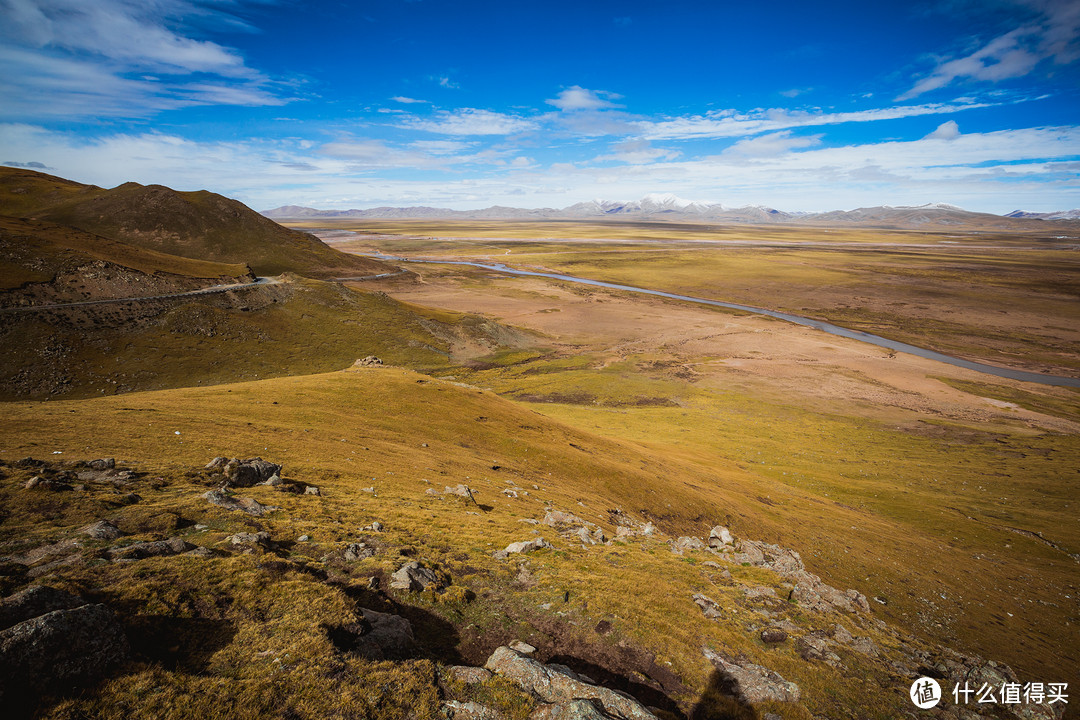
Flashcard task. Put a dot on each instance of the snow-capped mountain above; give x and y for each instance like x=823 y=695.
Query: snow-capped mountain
x=1059 y=215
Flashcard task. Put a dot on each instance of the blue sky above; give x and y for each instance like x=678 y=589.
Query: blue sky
x=467 y=104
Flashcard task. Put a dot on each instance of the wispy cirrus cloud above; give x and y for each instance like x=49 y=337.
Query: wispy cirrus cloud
x=730 y=123
x=471 y=121
x=121 y=58
x=1054 y=35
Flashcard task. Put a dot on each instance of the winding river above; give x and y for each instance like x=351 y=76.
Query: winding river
x=1041 y=378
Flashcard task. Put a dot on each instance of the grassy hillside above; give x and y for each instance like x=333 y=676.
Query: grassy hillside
x=252 y=635
x=199 y=225
x=300 y=326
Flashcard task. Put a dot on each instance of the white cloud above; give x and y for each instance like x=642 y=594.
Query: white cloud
x=638 y=152
x=441 y=147
x=771 y=144
x=118 y=58
x=729 y=123
x=470 y=121
x=948 y=130
x=407 y=100
x=444 y=81
x=579 y=98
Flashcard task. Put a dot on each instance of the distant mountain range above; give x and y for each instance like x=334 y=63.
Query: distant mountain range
x=658 y=207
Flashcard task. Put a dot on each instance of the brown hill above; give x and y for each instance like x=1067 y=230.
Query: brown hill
x=200 y=225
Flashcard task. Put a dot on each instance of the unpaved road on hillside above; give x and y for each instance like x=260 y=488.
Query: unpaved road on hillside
x=190 y=293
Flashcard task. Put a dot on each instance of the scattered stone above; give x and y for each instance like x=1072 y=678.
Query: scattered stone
x=557 y=518
x=28 y=462
x=522 y=647
x=754 y=683
x=720 y=537
x=509 y=492
x=40 y=483
x=216 y=464
x=708 y=606
x=773 y=635
x=261 y=538
x=101 y=530
x=368 y=490
x=312 y=490
x=61 y=648
x=527 y=546
x=102 y=464
x=369 y=361
x=127 y=498
x=467 y=674
x=200 y=552
x=35 y=601
x=303 y=538
x=461 y=490
x=687 y=543
x=373 y=582
x=560 y=686
x=358 y=551
x=375 y=526
x=243 y=504
x=272 y=481
x=432 y=491
x=412 y=576
x=143 y=550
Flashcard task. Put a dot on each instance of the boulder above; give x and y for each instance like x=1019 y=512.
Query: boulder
x=557 y=685
x=412 y=576
x=243 y=504
x=385 y=636
x=815 y=647
x=528 y=545
x=39 y=483
x=261 y=538
x=720 y=537
x=101 y=530
x=369 y=361
x=523 y=648
x=60 y=649
x=34 y=601
x=251 y=472
x=754 y=683
x=102 y=464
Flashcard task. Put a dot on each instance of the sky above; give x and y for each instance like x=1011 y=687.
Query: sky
x=466 y=104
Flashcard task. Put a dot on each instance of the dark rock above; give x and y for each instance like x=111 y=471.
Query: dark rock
x=33 y=602
x=29 y=462
x=41 y=483
x=391 y=635
x=59 y=650
x=159 y=548
x=251 y=472
x=102 y=464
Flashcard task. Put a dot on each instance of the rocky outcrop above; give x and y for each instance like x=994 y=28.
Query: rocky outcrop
x=60 y=649
x=34 y=601
x=101 y=530
x=810 y=590
x=753 y=683
x=369 y=361
x=562 y=691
